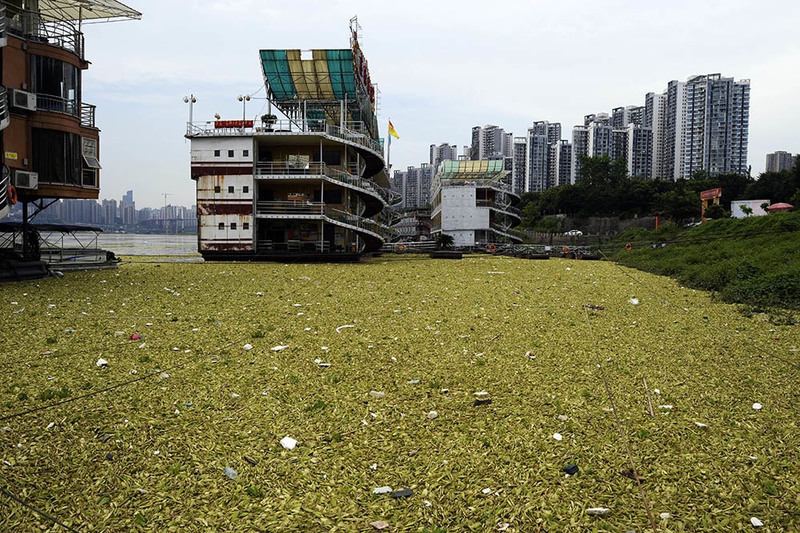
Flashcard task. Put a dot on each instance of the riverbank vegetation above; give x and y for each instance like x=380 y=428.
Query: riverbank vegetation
x=158 y=397
x=753 y=261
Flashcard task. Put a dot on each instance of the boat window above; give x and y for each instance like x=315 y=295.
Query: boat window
x=245 y=153
x=233 y=225
x=245 y=189
x=221 y=225
x=216 y=153
x=231 y=190
x=230 y=153
x=245 y=225
x=217 y=189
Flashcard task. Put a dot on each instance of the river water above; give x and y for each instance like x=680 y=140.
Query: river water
x=123 y=244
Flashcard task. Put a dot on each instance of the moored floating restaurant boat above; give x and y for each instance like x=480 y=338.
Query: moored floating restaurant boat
x=308 y=186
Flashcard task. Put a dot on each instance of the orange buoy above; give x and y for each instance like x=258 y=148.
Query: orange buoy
x=12 y=195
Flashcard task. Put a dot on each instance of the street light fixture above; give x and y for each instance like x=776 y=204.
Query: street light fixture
x=191 y=101
x=243 y=99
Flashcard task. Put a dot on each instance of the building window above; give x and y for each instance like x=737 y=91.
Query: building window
x=217 y=189
x=58 y=157
x=221 y=225
x=245 y=189
x=231 y=190
x=216 y=153
x=245 y=225
x=230 y=153
x=233 y=225
x=246 y=153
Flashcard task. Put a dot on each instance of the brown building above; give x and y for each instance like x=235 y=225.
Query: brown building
x=49 y=140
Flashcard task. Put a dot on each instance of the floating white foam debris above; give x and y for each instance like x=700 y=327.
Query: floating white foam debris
x=340 y=328
x=177 y=411
x=382 y=490
x=374 y=466
x=433 y=414
x=164 y=375
x=487 y=491
x=563 y=418
x=656 y=391
x=234 y=395
x=247 y=347
x=756 y=522
x=482 y=394
x=598 y=511
x=558 y=436
x=757 y=406
x=51 y=425
x=412 y=381
x=427 y=503
x=101 y=362
x=288 y=442
x=665 y=407
x=634 y=301
x=700 y=425
x=142 y=345
x=377 y=394
x=665 y=516
x=278 y=348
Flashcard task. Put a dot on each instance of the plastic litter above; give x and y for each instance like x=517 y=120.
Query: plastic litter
x=634 y=301
x=487 y=490
x=412 y=381
x=558 y=436
x=598 y=511
x=700 y=425
x=288 y=442
x=757 y=406
x=481 y=394
x=231 y=473
x=379 y=524
x=756 y=522
x=665 y=516
x=278 y=348
x=340 y=328
x=247 y=347
x=570 y=470
x=382 y=490
x=402 y=493
x=377 y=394
x=101 y=363
x=110 y=456
x=433 y=414
x=250 y=461
x=136 y=337
x=563 y=418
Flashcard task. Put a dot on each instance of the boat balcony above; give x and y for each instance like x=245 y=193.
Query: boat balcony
x=375 y=197
x=352 y=134
x=506 y=209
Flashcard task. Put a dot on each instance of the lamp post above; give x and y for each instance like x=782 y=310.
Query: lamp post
x=189 y=100
x=243 y=99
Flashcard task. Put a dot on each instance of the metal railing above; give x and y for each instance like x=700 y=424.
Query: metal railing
x=31 y=26
x=505 y=208
x=321 y=169
x=56 y=104
x=289 y=208
x=87 y=115
x=5 y=117
x=250 y=127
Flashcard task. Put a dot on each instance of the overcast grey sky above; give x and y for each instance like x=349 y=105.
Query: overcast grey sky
x=441 y=66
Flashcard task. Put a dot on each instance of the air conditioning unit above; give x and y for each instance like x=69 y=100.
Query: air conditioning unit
x=23 y=100
x=26 y=180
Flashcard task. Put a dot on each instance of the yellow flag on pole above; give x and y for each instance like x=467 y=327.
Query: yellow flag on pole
x=392 y=131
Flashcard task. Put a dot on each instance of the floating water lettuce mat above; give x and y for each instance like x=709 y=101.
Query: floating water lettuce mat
x=262 y=397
